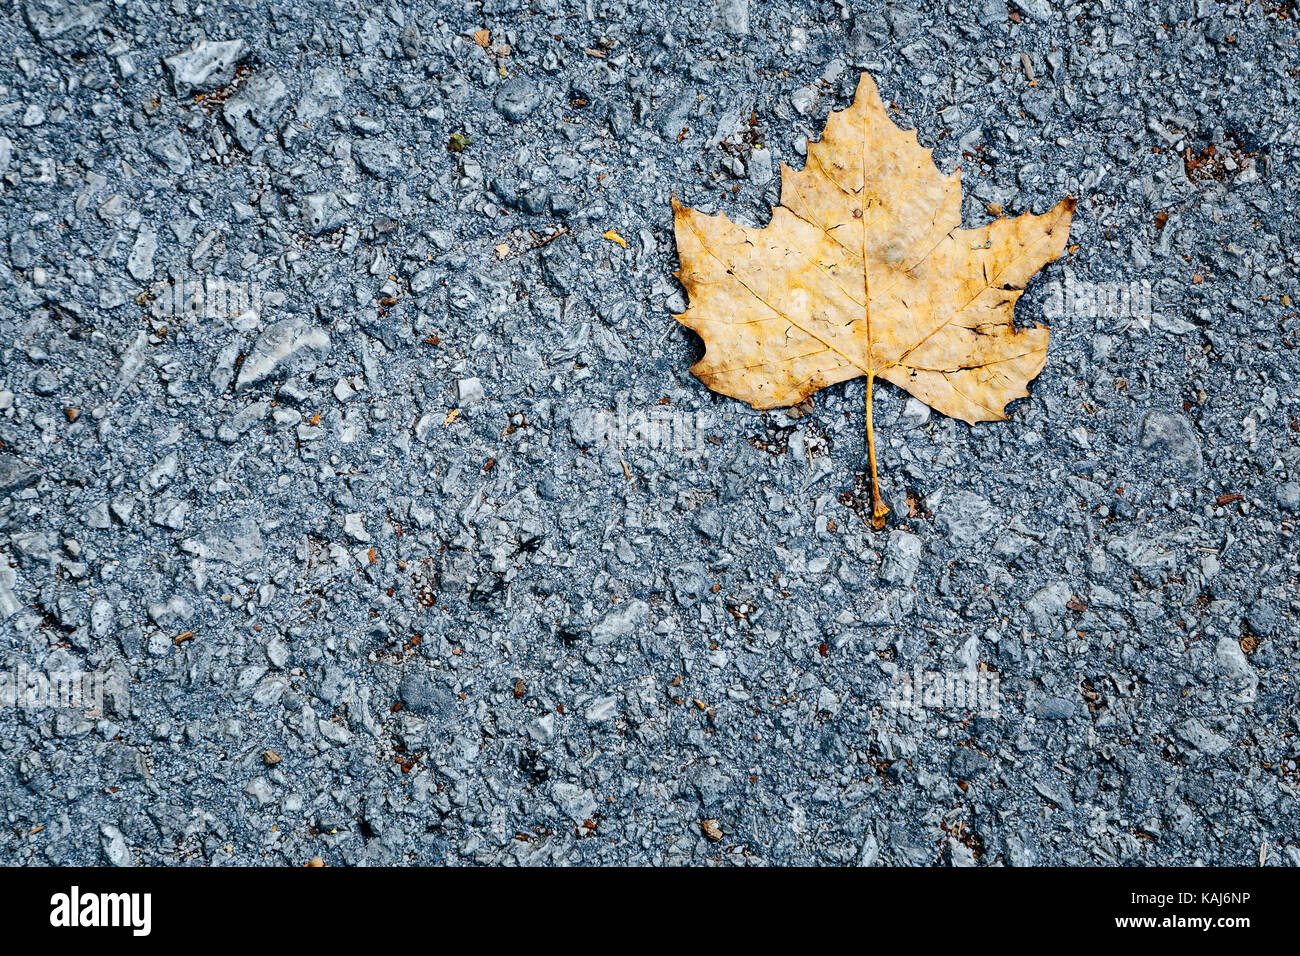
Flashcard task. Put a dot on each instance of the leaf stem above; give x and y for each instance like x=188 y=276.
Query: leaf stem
x=878 y=508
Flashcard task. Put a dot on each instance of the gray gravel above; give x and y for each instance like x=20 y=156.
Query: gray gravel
x=416 y=541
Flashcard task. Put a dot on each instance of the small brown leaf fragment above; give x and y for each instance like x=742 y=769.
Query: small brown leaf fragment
x=1227 y=499
x=711 y=830
x=1075 y=605
x=865 y=270
x=270 y=757
x=519 y=688
x=915 y=506
x=315 y=861
x=407 y=763
x=483 y=38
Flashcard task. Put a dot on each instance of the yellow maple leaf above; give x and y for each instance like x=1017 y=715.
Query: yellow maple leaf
x=865 y=270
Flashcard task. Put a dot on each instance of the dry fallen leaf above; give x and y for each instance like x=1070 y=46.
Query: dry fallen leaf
x=865 y=270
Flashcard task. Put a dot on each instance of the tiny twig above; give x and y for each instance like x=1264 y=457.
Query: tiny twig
x=538 y=243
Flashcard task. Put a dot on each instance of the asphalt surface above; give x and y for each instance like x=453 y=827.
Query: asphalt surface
x=349 y=449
